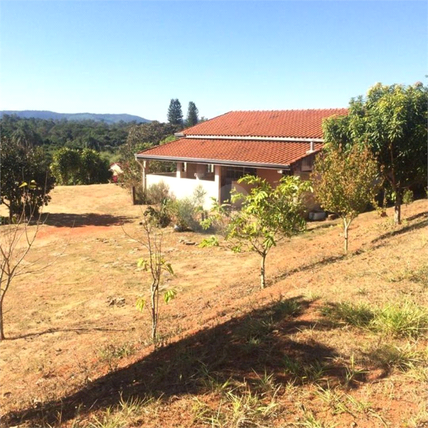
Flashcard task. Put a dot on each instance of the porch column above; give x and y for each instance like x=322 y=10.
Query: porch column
x=179 y=169
x=217 y=180
x=143 y=177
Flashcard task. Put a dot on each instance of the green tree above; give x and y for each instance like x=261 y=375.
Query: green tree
x=93 y=168
x=345 y=182
x=392 y=122
x=65 y=166
x=25 y=177
x=268 y=214
x=73 y=166
x=192 y=115
x=175 y=114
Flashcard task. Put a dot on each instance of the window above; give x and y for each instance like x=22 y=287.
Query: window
x=235 y=174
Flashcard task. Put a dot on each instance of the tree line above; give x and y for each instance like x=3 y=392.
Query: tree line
x=64 y=152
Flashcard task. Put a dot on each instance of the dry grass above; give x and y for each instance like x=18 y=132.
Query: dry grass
x=78 y=352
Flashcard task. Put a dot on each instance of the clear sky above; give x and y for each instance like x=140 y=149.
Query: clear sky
x=134 y=56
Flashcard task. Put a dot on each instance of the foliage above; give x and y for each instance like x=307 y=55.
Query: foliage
x=73 y=166
x=344 y=182
x=400 y=320
x=187 y=211
x=158 y=192
x=25 y=178
x=192 y=115
x=392 y=122
x=212 y=241
x=156 y=265
x=267 y=215
x=161 y=212
x=143 y=137
x=54 y=134
x=175 y=114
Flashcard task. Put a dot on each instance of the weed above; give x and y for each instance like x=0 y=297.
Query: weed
x=400 y=320
x=353 y=373
x=392 y=356
x=404 y=320
x=111 y=353
x=310 y=421
x=359 y=315
x=125 y=413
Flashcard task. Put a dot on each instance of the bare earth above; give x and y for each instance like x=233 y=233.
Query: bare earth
x=77 y=347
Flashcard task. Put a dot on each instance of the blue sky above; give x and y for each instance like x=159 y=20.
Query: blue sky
x=134 y=56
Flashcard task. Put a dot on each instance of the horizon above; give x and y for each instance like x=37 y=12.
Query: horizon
x=78 y=57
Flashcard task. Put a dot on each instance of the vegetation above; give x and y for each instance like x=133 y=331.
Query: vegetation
x=344 y=182
x=71 y=166
x=25 y=179
x=156 y=265
x=192 y=115
x=233 y=356
x=392 y=122
x=55 y=134
x=267 y=215
x=16 y=241
x=175 y=114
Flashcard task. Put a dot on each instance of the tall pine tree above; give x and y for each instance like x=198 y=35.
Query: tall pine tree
x=175 y=114
x=192 y=115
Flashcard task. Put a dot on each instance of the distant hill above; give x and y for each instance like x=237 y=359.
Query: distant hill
x=50 y=115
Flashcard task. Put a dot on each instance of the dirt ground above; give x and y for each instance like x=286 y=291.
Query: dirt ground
x=76 y=344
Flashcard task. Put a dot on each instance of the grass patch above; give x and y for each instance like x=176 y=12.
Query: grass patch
x=392 y=356
x=406 y=319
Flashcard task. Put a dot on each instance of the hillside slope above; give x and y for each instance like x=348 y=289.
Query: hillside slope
x=317 y=348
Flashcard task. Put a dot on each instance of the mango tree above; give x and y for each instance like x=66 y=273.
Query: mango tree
x=345 y=182
x=268 y=214
x=392 y=122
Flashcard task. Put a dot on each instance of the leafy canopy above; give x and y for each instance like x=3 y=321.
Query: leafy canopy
x=267 y=215
x=345 y=182
x=392 y=122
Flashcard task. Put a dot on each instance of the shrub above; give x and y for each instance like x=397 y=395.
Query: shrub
x=187 y=212
x=157 y=193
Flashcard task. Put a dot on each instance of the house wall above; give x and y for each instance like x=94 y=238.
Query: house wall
x=185 y=187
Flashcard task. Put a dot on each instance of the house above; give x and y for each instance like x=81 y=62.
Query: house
x=215 y=154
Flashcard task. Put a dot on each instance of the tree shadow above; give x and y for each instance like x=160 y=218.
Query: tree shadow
x=323 y=262
x=415 y=226
x=62 y=330
x=236 y=351
x=79 y=220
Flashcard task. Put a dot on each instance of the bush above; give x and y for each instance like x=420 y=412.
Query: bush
x=187 y=212
x=157 y=193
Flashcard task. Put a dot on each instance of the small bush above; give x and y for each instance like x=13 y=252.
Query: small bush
x=187 y=212
x=157 y=193
x=160 y=215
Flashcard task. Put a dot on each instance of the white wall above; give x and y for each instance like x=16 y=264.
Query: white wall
x=184 y=187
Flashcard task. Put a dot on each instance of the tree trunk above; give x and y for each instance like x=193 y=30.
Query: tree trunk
x=154 y=314
x=2 y=337
x=263 y=272
x=397 y=207
x=345 y=234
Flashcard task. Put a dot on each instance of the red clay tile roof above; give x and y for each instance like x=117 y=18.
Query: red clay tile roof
x=268 y=153
x=275 y=123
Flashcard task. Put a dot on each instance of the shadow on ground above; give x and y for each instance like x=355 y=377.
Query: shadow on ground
x=79 y=220
x=421 y=224
x=260 y=342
